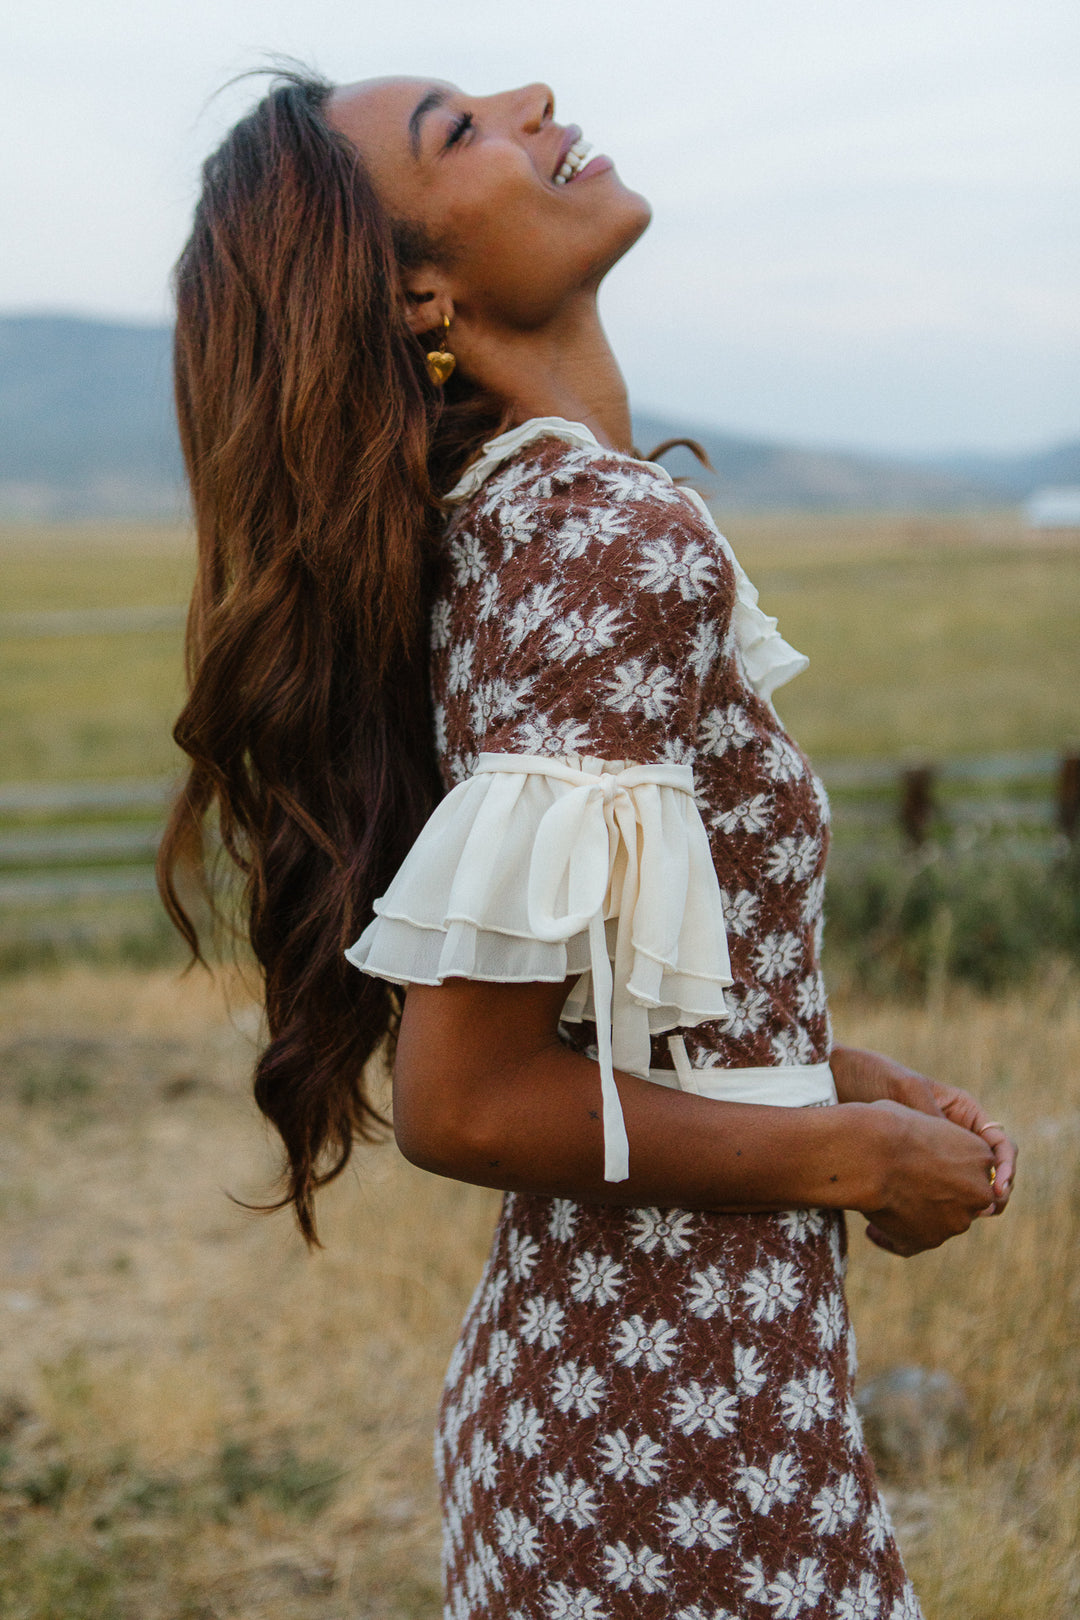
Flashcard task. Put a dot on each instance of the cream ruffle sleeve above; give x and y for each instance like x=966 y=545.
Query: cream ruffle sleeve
x=538 y=869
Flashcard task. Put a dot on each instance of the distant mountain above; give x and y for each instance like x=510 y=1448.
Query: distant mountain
x=86 y=430
x=1014 y=477
x=86 y=424
x=755 y=473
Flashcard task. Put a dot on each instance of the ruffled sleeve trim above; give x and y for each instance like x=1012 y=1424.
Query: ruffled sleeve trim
x=539 y=869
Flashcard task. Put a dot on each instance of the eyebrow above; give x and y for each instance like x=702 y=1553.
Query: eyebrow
x=426 y=104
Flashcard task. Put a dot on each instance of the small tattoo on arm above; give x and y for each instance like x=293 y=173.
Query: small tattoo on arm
x=834 y=1178
x=593 y=1114
x=493 y=1164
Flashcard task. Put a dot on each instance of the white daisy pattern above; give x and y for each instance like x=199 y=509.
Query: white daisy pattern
x=783 y=762
x=577 y=1389
x=562 y=1602
x=751 y=816
x=639 y=1568
x=694 y=1522
x=829 y=1318
x=792 y=1046
x=669 y=1229
x=797 y=1589
x=793 y=859
x=653 y=1343
x=572 y=1500
x=502 y=1356
x=689 y=568
x=773 y=1289
x=778 y=955
x=595 y=1279
x=531 y=613
x=809 y=1400
x=517 y=1537
x=740 y=910
x=704 y=649
x=726 y=728
x=777 y=1483
x=709 y=1294
x=524 y=1252
x=543 y=1322
x=749 y=1010
x=750 y=1371
x=810 y=996
x=650 y=1408
x=633 y=686
x=522 y=1428
x=859 y=1602
x=641 y=1460
x=836 y=1505
x=712 y=1409
x=579 y=637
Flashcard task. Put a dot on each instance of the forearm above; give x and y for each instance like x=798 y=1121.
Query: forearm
x=536 y=1127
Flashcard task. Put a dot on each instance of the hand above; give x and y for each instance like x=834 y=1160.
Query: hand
x=936 y=1180
x=863 y=1076
x=963 y=1109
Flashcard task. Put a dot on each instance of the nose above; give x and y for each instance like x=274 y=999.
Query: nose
x=536 y=106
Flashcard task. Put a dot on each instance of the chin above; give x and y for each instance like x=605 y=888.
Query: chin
x=633 y=218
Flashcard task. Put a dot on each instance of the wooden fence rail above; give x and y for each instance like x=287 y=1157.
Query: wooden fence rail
x=81 y=841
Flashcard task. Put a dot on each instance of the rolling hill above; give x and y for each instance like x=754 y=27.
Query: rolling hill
x=86 y=430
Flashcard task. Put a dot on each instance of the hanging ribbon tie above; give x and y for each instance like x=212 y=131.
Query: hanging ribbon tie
x=585 y=871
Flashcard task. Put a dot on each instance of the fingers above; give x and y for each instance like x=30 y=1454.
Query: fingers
x=883 y=1241
x=1004 y=1151
x=963 y=1109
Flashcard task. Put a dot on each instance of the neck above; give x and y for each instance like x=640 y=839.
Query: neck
x=565 y=368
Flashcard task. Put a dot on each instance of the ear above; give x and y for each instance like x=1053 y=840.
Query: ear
x=428 y=302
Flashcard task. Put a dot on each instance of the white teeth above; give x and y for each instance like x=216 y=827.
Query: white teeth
x=573 y=161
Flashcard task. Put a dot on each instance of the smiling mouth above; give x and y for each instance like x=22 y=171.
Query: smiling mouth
x=575 y=159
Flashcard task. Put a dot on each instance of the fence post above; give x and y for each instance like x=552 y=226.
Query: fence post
x=917 y=805
x=1068 y=795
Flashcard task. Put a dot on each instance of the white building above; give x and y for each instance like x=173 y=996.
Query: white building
x=1056 y=506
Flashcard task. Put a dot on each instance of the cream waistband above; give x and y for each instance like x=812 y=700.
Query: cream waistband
x=785 y=1086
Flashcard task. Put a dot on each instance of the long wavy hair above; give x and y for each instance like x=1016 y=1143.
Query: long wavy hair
x=316 y=449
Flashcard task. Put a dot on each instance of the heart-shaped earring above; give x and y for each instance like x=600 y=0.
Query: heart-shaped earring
x=440 y=362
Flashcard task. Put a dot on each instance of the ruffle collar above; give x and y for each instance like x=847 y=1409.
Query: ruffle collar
x=768 y=660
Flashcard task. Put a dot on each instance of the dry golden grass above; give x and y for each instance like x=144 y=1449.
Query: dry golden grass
x=204 y=1422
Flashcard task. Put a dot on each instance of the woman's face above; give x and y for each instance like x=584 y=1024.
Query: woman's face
x=478 y=173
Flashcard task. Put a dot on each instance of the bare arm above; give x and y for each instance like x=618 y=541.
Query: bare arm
x=485 y=1092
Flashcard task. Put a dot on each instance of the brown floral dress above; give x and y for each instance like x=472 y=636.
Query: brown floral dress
x=649 y=1413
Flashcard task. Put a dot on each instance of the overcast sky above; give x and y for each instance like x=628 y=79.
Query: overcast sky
x=866 y=212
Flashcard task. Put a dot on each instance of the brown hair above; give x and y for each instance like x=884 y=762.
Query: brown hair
x=316 y=448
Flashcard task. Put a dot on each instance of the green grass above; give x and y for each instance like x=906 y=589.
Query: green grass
x=935 y=636
x=91 y=705
x=927 y=637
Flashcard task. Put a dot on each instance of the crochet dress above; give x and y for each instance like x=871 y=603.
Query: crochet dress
x=649 y=1412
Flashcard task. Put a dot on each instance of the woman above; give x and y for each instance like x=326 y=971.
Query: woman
x=456 y=649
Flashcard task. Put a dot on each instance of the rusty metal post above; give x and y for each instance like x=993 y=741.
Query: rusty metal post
x=917 y=807
x=1068 y=795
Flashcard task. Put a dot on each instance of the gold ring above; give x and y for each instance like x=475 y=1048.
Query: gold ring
x=993 y=1175
x=991 y=1125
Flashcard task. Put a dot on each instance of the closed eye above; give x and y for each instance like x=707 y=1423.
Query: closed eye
x=460 y=127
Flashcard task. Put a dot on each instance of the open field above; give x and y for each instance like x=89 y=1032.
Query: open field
x=199 y=1422
x=927 y=636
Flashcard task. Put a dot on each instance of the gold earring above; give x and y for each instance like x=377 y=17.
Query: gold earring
x=440 y=362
